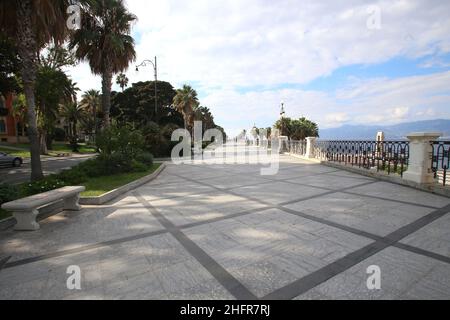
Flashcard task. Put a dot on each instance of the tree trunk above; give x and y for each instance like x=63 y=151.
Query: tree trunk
x=106 y=97
x=43 y=142
x=28 y=50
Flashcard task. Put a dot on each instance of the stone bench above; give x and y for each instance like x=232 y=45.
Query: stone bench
x=25 y=210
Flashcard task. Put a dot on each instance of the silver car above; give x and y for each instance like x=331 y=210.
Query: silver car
x=9 y=160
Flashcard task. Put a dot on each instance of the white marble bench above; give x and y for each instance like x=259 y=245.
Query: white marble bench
x=25 y=210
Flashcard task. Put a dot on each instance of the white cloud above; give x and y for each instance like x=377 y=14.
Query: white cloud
x=220 y=46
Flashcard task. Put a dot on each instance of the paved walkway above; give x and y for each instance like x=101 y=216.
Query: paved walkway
x=226 y=232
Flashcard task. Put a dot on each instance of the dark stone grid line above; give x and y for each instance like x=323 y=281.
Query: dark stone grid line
x=314 y=279
x=237 y=289
x=379 y=244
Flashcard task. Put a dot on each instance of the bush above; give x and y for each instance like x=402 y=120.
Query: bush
x=137 y=166
x=90 y=168
x=8 y=193
x=73 y=176
x=49 y=183
x=120 y=140
x=146 y=158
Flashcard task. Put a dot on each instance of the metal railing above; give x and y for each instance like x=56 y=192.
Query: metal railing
x=388 y=156
x=441 y=160
x=297 y=147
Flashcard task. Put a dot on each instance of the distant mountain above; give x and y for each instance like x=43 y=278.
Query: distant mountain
x=397 y=131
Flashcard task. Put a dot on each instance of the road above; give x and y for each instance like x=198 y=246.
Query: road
x=49 y=166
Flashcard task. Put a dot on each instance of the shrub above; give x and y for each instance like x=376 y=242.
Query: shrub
x=120 y=140
x=8 y=193
x=73 y=176
x=145 y=157
x=47 y=184
x=90 y=168
x=137 y=166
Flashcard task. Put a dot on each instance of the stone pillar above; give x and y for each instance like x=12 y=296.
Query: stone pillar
x=283 y=141
x=420 y=157
x=310 y=146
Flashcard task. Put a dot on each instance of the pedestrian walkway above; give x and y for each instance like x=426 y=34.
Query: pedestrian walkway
x=202 y=231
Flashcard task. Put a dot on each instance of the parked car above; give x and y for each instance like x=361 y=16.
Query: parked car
x=9 y=160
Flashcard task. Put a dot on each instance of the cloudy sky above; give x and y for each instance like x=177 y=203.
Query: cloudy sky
x=335 y=62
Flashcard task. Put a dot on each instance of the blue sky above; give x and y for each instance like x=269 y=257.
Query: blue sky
x=357 y=61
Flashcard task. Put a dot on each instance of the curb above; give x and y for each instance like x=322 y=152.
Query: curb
x=110 y=195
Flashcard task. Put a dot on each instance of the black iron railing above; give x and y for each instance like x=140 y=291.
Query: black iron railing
x=441 y=160
x=297 y=147
x=388 y=156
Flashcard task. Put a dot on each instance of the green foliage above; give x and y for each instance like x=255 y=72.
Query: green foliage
x=49 y=183
x=120 y=140
x=145 y=158
x=9 y=65
x=137 y=166
x=297 y=129
x=136 y=105
x=185 y=101
x=73 y=176
x=8 y=193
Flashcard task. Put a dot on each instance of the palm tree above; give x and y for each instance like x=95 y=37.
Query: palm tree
x=104 y=41
x=185 y=101
x=204 y=115
x=90 y=102
x=31 y=24
x=72 y=113
x=122 y=81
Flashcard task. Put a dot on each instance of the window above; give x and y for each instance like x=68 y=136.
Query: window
x=2 y=125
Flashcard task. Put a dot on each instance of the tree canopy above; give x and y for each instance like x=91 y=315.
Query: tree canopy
x=297 y=129
x=136 y=105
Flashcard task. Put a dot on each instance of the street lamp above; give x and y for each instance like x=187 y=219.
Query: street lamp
x=155 y=68
x=282 y=114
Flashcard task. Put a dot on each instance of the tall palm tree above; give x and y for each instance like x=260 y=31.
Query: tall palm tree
x=90 y=102
x=122 y=81
x=185 y=101
x=204 y=115
x=104 y=41
x=31 y=24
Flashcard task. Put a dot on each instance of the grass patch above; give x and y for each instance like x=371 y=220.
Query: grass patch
x=100 y=185
x=65 y=148
x=16 y=153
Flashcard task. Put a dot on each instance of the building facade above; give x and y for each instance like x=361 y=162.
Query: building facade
x=11 y=129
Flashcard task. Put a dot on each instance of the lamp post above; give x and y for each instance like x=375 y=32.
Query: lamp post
x=155 y=68
x=282 y=114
